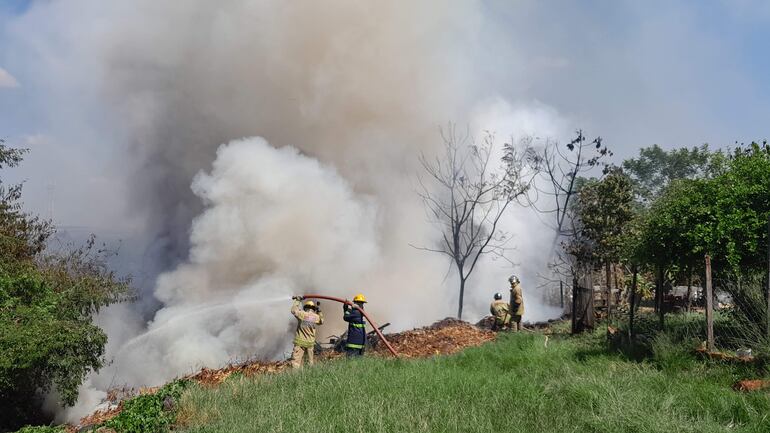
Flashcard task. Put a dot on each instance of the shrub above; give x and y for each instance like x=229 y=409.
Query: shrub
x=47 y=301
x=151 y=412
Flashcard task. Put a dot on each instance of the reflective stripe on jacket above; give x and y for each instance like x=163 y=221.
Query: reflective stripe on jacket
x=356 y=327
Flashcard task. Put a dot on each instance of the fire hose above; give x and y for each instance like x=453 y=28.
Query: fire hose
x=345 y=301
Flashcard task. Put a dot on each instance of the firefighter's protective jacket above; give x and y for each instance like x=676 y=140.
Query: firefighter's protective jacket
x=356 y=327
x=501 y=311
x=517 y=301
x=306 y=325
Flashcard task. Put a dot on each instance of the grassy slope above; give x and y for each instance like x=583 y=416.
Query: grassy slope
x=513 y=385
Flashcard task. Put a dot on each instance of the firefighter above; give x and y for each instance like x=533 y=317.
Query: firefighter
x=308 y=318
x=517 y=302
x=354 y=346
x=501 y=311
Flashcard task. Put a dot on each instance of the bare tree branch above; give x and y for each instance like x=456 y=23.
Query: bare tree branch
x=469 y=195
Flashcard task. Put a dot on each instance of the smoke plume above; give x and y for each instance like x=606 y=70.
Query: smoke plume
x=339 y=97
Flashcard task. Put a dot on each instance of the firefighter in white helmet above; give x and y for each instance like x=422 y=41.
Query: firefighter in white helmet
x=501 y=311
x=308 y=318
x=517 y=303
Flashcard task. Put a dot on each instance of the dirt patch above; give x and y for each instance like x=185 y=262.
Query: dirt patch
x=489 y=321
x=441 y=338
x=722 y=356
x=751 y=385
x=99 y=417
x=212 y=377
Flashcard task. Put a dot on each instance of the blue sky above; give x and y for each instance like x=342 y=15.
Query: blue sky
x=726 y=81
x=15 y=6
x=675 y=73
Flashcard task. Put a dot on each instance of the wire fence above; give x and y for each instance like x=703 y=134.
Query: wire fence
x=736 y=321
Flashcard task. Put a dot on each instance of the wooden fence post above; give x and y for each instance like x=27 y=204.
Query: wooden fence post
x=609 y=291
x=659 y=297
x=632 y=302
x=709 y=307
x=590 y=318
x=767 y=295
x=574 y=301
x=561 y=295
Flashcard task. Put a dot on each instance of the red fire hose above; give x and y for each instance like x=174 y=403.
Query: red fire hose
x=345 y=301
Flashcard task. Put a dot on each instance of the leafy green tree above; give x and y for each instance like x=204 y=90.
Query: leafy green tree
x=47 y=302
x=605 y=207
x=656 y=168
x=725 y=216
x=742 y=205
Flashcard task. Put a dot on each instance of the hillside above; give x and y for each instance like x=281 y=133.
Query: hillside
x=541 y=381
x=516 y=384
x=527 y=382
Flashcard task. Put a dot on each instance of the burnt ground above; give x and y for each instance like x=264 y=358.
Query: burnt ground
x=444 y=337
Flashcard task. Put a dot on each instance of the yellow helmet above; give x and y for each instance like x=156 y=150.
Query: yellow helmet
x=309 y=304
x=359 y=298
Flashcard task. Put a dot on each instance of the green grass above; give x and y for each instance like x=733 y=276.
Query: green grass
x=513 y=385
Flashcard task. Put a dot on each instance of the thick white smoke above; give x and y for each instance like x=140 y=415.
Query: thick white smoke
x=276 y=223
x=345 y=95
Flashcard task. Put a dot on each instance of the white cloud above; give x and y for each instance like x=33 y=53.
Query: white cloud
x=7 y=80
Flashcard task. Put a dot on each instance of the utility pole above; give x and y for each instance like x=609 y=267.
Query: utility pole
x=709 y=307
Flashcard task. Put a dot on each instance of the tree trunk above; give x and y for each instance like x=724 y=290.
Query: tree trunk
x=632 y=302
x=659 y=296
x=462 y=295
x=709 y=307
x=617 y=284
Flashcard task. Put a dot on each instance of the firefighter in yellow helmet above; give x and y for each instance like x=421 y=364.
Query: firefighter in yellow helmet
x=501 y=311
x=308 y=318
x=517 y=303
x=354 y=346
